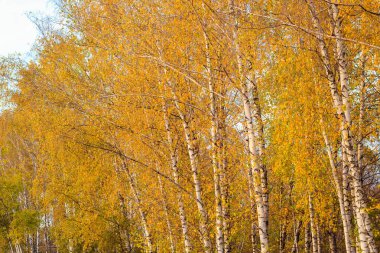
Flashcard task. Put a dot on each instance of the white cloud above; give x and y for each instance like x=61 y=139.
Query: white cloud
x=17 y=32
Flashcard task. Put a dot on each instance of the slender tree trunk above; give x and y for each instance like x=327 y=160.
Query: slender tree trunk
x=297 y=233
x=217 y=94
x=319 y=246
x=258 y=192
x=283 y=235
x=31 y=245
x=357 y=240
x=346 y=198
x=215 y=136
x=361 y=238
x=192 y=149
x=313 y=226
x=45 y=235
x=10 y=246
x=70 y=246
x=144 y=222
x=362 y=109
x=283 y=222
x=175 y=172
x=37 y=241
x=332 y=242
x=342 y=196
x=224 y=179
x=225 y=197
x=126 y=231
x=251 y=199
x=251 y=192
x=256 y=110
x=307 y=238
x=166 y=210
x=259 y=171
x=18 y=248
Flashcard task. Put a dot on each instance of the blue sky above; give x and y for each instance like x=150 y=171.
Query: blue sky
x=17 y=31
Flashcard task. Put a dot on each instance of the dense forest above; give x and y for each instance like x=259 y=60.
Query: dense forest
x=194 y=126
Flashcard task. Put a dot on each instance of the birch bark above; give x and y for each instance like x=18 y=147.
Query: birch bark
x=365 y=230
x=361 y=111
x=166 y=210
x=175 y=172
x=214 y=151
x=319 y=246
x=251 y=195
x=307 y=238
x=342 y=196
x=297 y=233
x=192 y=149
x=342 y=105
x=313 y=226
x=259 y=171
x=144 y=221
x=332 y=242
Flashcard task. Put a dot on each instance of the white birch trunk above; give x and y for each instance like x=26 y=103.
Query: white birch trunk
x=362 y=215
x=259 y=129
x=251 y=195
x=313 y=226
x=297 y=233
x=37 y=241
x=192 y=149
x=223 y=162
x=259 y=178
x=18 y=248
x=307 y=238
x=166 y=210
x=361 y=111
x=342 y=105
x=257 y=183
x=319 y=246
x=361 y=238
x=126 y=231
x=342 y=196
x=10 y=246
x=175 y=172
x=332 y=242
x=253 y=214
x=214 y=151
x=225 y=201
x=144 y=221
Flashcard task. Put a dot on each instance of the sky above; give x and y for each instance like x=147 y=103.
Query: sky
x=17 y=32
